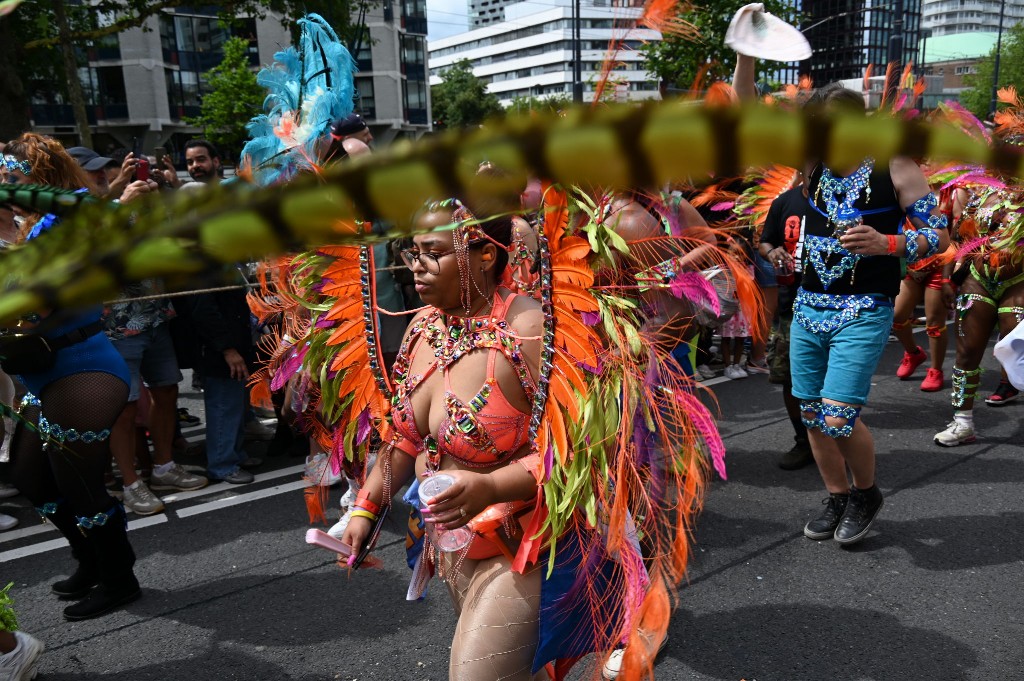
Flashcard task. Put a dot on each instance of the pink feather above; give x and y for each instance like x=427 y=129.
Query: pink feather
x=705 y=424
x=970 y=246
x=694 y=287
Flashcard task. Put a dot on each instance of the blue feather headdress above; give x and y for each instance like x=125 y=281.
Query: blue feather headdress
x=309 y=87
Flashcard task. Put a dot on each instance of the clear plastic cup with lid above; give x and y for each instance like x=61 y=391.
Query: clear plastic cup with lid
x=446 y=540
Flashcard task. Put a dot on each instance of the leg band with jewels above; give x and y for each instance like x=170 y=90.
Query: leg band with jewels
x=963 y=388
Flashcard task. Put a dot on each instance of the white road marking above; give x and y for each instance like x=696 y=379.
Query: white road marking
x=227 y=502
x=54 y=544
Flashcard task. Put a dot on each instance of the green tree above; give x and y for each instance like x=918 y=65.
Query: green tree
x=522 y=105
x=678 y=61
x=232 y=98
x=461 y=99
x=978 y=97
x=48 y=37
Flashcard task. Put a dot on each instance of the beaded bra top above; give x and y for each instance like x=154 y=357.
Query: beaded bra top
x=485 y=430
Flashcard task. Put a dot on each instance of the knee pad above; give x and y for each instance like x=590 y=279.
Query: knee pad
x=961 y=390
x=898 y=326
x=935 y=331
x=841 y=412
x=822 y=410
x=814 y=408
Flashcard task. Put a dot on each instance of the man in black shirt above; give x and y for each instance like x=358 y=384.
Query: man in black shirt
x=784 y=225
x=854 y=237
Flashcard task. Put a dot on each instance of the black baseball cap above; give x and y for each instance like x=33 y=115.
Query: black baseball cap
x=89 y=159
x=347 y=125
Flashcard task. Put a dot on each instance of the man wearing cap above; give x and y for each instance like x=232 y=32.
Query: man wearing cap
x=351 y=128
x=122 y=188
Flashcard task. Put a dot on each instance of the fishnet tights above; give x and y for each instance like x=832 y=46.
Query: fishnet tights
x=84 y=401
x=496 y=637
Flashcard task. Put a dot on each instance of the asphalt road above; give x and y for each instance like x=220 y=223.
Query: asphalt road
x=934 y=593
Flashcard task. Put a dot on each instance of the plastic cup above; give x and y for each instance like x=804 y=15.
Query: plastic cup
x=448 y=541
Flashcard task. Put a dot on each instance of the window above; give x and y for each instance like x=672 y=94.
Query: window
x=366 y=104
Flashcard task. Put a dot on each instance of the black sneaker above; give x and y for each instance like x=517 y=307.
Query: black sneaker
x=797 y=457
x=187 y=419
x=1003 y=395
x=824 y=526
x=860 y=513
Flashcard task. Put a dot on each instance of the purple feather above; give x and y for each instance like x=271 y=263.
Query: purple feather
x=724 y=205
x=549 y=462
x=289 y=368
x=590 y=318
x=325 y=323
x=363 y=426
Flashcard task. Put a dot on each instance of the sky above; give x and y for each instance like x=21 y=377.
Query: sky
x=445 y=18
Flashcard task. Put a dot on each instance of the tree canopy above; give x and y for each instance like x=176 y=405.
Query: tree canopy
x=978 y=97
x=46 y=42
x=233 y=97
x=462 y=99
x=679 y=61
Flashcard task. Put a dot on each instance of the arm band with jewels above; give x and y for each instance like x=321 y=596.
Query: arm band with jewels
x=911 y=245
x=922 y=210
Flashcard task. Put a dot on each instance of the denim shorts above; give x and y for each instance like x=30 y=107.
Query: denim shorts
x=764 y=272
x=150 y=357
x=838 y=365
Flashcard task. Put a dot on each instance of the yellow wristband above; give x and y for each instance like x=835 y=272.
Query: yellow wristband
x=363 y=513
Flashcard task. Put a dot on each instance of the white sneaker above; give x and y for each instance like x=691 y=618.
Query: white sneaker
x=7 y=491
x=7 y=522
x=614 y=663
x=140 y=500
x=705 y=371
x=177 y=479
x=338 y=529
x=956 y=433
x=22 y=663
x=735 y=371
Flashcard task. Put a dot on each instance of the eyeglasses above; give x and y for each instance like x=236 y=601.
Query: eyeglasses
x=427 y=260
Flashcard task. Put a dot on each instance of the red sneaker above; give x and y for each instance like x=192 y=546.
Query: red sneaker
x=933 y=381
x=910 y=363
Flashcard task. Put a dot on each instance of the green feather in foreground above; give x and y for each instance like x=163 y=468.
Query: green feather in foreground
x=101 y=247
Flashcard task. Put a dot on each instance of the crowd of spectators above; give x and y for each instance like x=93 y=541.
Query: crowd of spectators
x=211 y=333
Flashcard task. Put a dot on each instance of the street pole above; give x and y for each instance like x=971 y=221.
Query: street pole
x=995 y=70
x=892 y=83
x=577 y=55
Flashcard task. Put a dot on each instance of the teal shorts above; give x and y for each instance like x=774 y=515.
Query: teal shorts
x=838 y=364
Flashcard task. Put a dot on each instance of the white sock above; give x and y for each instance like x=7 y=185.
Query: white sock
x=964 y=418
x=163 y=469
x=134 y=486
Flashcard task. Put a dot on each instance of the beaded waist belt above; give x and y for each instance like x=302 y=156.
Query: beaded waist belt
x=847 y=308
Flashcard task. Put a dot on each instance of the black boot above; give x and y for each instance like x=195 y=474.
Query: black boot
x=115 y=557
x=87 y=575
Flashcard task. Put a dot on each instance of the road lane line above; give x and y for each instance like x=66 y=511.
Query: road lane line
x=241 y=499
x=224 y=486
x=54 y=544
